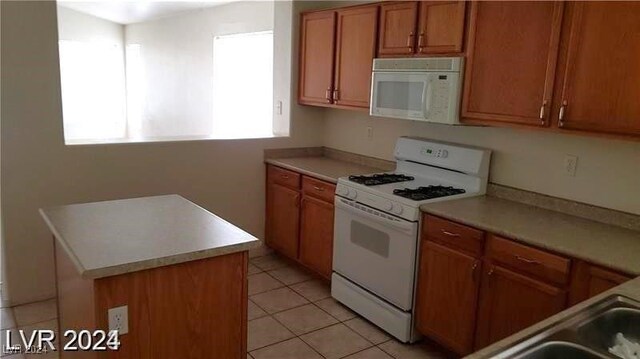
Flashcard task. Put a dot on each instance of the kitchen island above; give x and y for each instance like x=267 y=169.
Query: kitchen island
x=180 y=270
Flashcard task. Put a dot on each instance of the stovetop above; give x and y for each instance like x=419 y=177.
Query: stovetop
x=380 y=179
x=428 y=192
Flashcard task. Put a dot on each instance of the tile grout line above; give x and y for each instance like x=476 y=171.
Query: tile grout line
x=339 y=321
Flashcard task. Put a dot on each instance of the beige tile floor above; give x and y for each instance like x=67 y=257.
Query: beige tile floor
x=290 y=314
x=28 y=317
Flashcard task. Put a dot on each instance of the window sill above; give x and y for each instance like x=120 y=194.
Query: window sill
x=118 y=141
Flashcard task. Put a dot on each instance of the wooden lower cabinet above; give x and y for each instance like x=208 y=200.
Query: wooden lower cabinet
x=510 y=302
x=590 y=280
x=195 y=309
x=316 y=235
x=283 y=219
x=299 y=218
x=447 y=296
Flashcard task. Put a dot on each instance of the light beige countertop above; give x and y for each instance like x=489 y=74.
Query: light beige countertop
x=599 y=243
x=630 y=289
x=116 y=237
x=324 y=168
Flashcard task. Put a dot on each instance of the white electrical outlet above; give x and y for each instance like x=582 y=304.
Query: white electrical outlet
x=570 y=165
x=119 y=319
x=369 y=132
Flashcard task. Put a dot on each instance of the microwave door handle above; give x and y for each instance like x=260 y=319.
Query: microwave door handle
x=427 y=98
x=403 y=226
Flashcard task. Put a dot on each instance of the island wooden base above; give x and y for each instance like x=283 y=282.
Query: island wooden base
x=194 y=310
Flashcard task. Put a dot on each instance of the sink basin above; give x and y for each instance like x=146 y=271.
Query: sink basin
x=587 y=334
x=560 y=350
x=600 y=332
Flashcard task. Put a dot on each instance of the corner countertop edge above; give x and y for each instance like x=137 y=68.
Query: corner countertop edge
x=125 y=268
x=76 y=261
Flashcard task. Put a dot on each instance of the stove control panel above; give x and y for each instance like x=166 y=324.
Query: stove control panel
x=378 y=202
x=434 y=152
x=346 y=192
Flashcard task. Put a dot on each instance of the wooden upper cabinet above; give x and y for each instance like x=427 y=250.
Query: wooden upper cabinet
x=601 y=82
x=415 y=28
x=283 y=219
x=440 y=27
x=316 y=235
x=510 y=69
x=317 y=46
x=448 y=285
x=510 y=302
x=355 y=49
x=397 y=28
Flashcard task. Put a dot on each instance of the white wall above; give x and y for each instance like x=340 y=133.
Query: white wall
x=608 y=173
x=38 y=170
x=177 y=54
x=77 y=26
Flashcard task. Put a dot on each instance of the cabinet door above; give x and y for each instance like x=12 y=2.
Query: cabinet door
x=317 y=45
x=589 y=280
x=448 y=284
x=356 y=47
x=601 y=84
x=512 y=53
x=316 y=235
x=441 y=27
x=397 y=28
x=510 y=302
x=283 y=219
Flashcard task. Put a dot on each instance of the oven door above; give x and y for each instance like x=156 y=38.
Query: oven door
x=376 y=251
x=400 y=95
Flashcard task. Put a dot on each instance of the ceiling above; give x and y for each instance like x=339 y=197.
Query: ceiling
x=129 y=12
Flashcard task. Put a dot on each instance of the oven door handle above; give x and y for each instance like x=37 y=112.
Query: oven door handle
x=348 y=206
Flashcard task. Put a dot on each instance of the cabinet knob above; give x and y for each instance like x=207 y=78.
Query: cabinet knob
x=410 y=41
x=561 y=114
x=320 y=189
x=542 y=112
x=421 y=38
x=474 y=270
x=327 y=95
x=526 y=260
x=336 y=94
x=450 y=234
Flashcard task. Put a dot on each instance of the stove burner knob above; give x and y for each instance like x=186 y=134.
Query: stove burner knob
x=388 y=206
x=352 y=194
x=397 y=209
x=341 y=191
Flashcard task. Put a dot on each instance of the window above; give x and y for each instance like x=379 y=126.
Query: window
x=93 y=90
x=243 y=85
x=179 y=78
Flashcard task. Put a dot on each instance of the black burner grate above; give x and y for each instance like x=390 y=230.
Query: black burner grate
x=378 y=179
x=430 y=192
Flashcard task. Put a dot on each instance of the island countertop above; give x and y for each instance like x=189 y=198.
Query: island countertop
x=115 y=237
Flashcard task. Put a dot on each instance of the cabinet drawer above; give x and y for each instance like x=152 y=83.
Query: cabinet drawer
x=319 y=189
x=544 y=265
x=453 y=234
x=283 y=177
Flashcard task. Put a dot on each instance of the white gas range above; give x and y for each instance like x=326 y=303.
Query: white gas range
x=377 y=221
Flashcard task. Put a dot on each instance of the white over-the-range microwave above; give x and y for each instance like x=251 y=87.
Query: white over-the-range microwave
x=422 y=89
